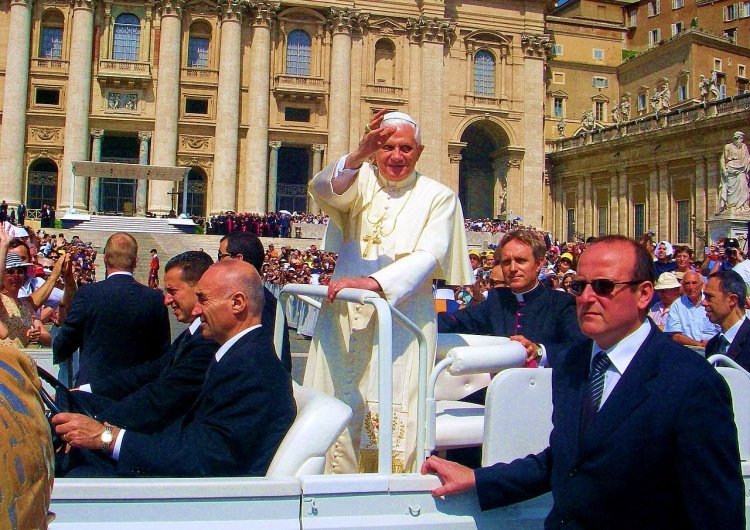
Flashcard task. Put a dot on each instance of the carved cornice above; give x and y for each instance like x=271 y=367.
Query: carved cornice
x=24 y=3
x=536 y=45
x=145 y=136
x=45 y=134
x=55 y=154
x=96 y=133
x=83 y=4
x=423 y=29
x=347 y=21
x=203 y=162
x=170 y=8
x=195 y=143
x=233 y=9
x=263 y=13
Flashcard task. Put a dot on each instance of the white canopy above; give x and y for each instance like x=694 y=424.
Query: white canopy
x=128 y=171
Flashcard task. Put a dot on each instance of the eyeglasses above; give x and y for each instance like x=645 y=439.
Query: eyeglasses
x=221 y=256
x=601 y=287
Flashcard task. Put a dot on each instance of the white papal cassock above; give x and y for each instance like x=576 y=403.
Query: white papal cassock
x=404 y=235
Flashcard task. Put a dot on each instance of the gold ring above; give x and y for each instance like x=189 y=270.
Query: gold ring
x=367 y=128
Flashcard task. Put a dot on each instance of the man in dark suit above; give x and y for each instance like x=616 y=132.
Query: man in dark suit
x=644 y=434
x=247 y=247
x=148 y=396
x=541 y=319
x=242 y=412
x=724 y=300
x=117 y=323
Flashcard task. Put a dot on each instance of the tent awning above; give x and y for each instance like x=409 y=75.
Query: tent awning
x=128 y=171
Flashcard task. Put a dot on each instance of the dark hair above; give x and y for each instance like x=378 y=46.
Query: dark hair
x=192 y=263
x=247 y=244
x=683 y=248
x=644 y=264
x=153 y=250
x=730 y=282
x=18 y=242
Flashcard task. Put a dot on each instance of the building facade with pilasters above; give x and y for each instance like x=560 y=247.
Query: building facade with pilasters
x=256 y=97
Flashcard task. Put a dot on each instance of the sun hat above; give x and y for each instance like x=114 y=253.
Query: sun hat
x=667 y=280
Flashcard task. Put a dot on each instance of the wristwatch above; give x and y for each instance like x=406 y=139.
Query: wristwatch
x=539 y=354
x=106 y=439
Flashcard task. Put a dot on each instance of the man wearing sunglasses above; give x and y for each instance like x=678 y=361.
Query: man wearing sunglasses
x=644 y=433
x=541 y=319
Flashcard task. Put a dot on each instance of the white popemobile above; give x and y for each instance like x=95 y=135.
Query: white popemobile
x=296 y=495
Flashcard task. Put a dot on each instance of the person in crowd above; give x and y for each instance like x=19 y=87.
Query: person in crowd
x=664 y=261
x=541 y=319
x=20 y=325
x=737 y=260
x=396 y=231
x=668 y=290
x=721 y=257
x=117 y=323
x=240 y=416
x=247 y=247
x=148 y=396
x=687 y=321
x=565 y=263
x=644 y=433
x=153 y=270
x=683 y=257
x=21 y=214
x=724 y=302
x=475 y=258
x=27 y=469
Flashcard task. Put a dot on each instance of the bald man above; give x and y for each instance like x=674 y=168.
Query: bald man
x=687 y=321
x=241 y=414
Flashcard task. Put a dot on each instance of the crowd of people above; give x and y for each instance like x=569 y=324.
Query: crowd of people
x=273 y=224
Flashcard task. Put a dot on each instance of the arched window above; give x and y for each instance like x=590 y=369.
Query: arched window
x=196 y=196
x=484 y=73
x=385 y=62
x=42 y=184
x=200 y=38
x=52 y=35
x=298 y=53
x=127 y=37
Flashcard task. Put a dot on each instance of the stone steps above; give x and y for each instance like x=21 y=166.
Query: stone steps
x=107 y=223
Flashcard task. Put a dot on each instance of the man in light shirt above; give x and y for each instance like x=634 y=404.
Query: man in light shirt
x=725 y=305
x=687 y=321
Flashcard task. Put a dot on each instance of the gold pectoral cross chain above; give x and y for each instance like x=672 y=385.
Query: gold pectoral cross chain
x=373 y=239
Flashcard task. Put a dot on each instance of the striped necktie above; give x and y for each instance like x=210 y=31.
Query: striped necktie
x=595 y=389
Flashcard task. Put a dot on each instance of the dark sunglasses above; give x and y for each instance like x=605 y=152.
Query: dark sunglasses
x=221 y=256
x=601 y=287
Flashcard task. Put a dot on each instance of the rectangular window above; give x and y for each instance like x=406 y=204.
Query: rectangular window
x=731 y=12
x=677 y=4
x=717 y=65
x=558 y=107
x=571 y=224
x=639 y=219
x=745 y=9
x=47 y=96
x=51 y=43
x=557 y=50
x=722 y=91
x=598 y=54
x=297 y=114
x=641 y=102
x=654 y=37
x=558 y=78
x=599 y=82
x=731 y=34
x=198 y=52
x=677 y=28
x=599 y=111
x=741 y=70
x=633 y=20
x=196 y=106
x=681 y=92
x=654 y=8
x=602 y=220
x=683 y=221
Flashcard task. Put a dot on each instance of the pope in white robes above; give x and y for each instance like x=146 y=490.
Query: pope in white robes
x=396 y=231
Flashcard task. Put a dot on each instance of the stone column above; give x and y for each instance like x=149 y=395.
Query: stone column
x=78 y=102
x=273 y=177
x=252 y=195
x=713 y=177
x=224 y=196
x=141 y=199
x=535 y=48
x=415 y=70
x=652 y=222
x=624 y=206
x=614 y=206
x=581 y=207
x=665 y=203
x=342 y=22
x=317 y=150
x=701 y=204
x=167 y=102
x=13 y=139
x=96 y=156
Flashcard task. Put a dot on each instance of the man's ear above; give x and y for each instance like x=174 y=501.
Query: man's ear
x=239 y=302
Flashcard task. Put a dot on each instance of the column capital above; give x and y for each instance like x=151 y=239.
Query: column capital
x=318 y=148
x=263 y=13
x=275 y=145
x=233 y=9
x=24 y=3
x=455 y=158
x=171 y=8
x=97 y=133
x=424 y=29
x=347 y=21
x=80 y=4
x=536 y=45
x=145 y=136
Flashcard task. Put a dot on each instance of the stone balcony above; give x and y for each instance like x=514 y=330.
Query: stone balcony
x=127 y=74
x=298 y=87
x=201 y=76
x=490 y=104
x=48 y=65
x=384 y=93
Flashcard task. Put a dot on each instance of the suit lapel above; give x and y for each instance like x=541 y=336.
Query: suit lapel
x=567 y=410
x=179 y=346
x=634 y=387
x=738 y=344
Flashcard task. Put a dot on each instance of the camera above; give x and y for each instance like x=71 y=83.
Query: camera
x=651 y=233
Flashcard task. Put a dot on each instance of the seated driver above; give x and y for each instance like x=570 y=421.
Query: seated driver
x=240 y=416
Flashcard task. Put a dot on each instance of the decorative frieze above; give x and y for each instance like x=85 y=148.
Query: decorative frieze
x=195 y=143
x=50 y=135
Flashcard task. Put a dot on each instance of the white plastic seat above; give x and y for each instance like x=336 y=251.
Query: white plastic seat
x=320 y=420
x=518 y=416
x=457 y=423
x=738 y=380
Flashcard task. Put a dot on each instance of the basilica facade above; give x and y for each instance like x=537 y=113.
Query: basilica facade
x=256 y=97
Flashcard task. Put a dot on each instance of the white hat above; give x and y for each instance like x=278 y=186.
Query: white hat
x=667 y=244
x=399 y=116
x=667 y=280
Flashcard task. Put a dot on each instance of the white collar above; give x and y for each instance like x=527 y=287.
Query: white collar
x=731 y=333
x=123 y=273
x=228 y=344
x=194 y=326
x=622 y=353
